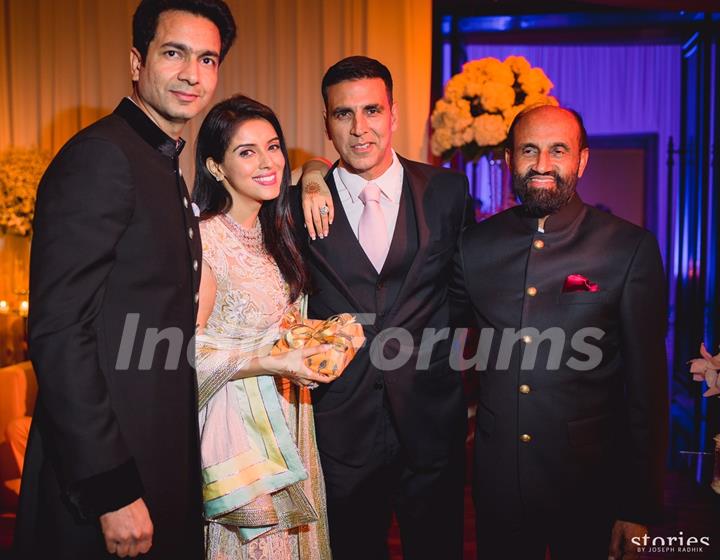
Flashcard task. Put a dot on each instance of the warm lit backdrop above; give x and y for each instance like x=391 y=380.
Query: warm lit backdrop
x=65 y=63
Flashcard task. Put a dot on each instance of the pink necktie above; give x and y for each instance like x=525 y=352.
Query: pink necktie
x=372 y=232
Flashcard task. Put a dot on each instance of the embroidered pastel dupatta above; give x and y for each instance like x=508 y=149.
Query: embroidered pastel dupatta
x=261 y=471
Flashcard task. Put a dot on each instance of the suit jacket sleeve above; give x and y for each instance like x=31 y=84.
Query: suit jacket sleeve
x=643 y=328
x=461 y=314
x=84 y=205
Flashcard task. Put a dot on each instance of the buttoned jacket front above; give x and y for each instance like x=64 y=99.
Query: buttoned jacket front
x=572 y=408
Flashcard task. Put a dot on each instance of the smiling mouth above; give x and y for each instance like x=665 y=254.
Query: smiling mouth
x=184 y=96
x=266 y=180
x=541 y=182
x=361 y=147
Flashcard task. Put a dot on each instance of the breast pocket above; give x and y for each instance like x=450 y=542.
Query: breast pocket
x=583 y=298
x=440 y=250
x=589 y=431
x=443 y=238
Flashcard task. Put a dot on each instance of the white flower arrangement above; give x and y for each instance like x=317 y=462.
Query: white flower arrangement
x=20 y=173
x=481 y=102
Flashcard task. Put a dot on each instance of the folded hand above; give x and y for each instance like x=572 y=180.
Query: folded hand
x=128 y=531
x=621 y=545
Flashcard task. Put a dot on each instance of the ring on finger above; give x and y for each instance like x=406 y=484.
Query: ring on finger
x=312 y=385
x=324 y=210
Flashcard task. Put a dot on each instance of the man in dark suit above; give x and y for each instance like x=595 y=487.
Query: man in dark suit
x=390 y=433
x=112 y=462
x=572 y=414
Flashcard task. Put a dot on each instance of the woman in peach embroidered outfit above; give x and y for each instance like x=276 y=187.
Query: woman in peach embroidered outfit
x=262 y=484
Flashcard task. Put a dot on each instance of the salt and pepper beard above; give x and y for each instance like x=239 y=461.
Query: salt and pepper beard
x=539 y=202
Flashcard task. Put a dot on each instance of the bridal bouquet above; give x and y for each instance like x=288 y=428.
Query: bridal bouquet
x=481 y=102
x=20 y=173
x=340 y=331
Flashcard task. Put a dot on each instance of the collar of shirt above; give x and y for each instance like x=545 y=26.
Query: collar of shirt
x=390 y=182
x=554 y=222
x=148 y=130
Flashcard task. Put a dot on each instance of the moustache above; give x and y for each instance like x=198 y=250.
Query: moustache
x=530 y=175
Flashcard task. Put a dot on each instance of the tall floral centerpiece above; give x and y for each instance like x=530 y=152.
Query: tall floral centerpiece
x=481 y=102
x=20 y=173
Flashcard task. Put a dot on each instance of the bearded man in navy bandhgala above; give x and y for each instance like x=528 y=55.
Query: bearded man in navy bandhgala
x=571 y=427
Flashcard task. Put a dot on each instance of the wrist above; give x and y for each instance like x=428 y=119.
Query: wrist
x=319 y=164
x=265 y=364
x=107 y=491
x=312 y=177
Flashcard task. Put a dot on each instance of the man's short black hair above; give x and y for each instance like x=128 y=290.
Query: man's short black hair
x=357 y=68
x=148 y=12
x=510 y=142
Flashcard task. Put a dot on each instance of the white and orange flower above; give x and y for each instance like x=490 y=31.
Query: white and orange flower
x=481 y=102
x=706 y=369
x=535 y=81
x=20 y=173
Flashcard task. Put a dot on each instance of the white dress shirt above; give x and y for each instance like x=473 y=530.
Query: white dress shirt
x=349 y=186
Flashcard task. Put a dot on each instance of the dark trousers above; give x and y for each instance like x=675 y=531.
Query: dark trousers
x=569 y=537
x=428 y=503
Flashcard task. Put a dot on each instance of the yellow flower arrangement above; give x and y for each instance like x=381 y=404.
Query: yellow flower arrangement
x=481 y=102
x=20 y=173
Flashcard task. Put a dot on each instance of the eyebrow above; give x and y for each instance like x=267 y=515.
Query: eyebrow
x=251 y=145
x=186 y=49
x=337 y=110
x=377 y=106
x=555 y=145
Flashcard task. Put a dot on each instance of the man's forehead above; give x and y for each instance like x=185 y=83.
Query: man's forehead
x=548 y=125
x=362 y=90
x=174 y=24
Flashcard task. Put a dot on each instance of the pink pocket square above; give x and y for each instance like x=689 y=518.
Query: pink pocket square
x=578 y=283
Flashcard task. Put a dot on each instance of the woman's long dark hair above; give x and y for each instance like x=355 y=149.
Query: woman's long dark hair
x=275 y=217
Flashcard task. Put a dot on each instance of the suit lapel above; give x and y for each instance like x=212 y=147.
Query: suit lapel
x=417 y=188
x=341 y=241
